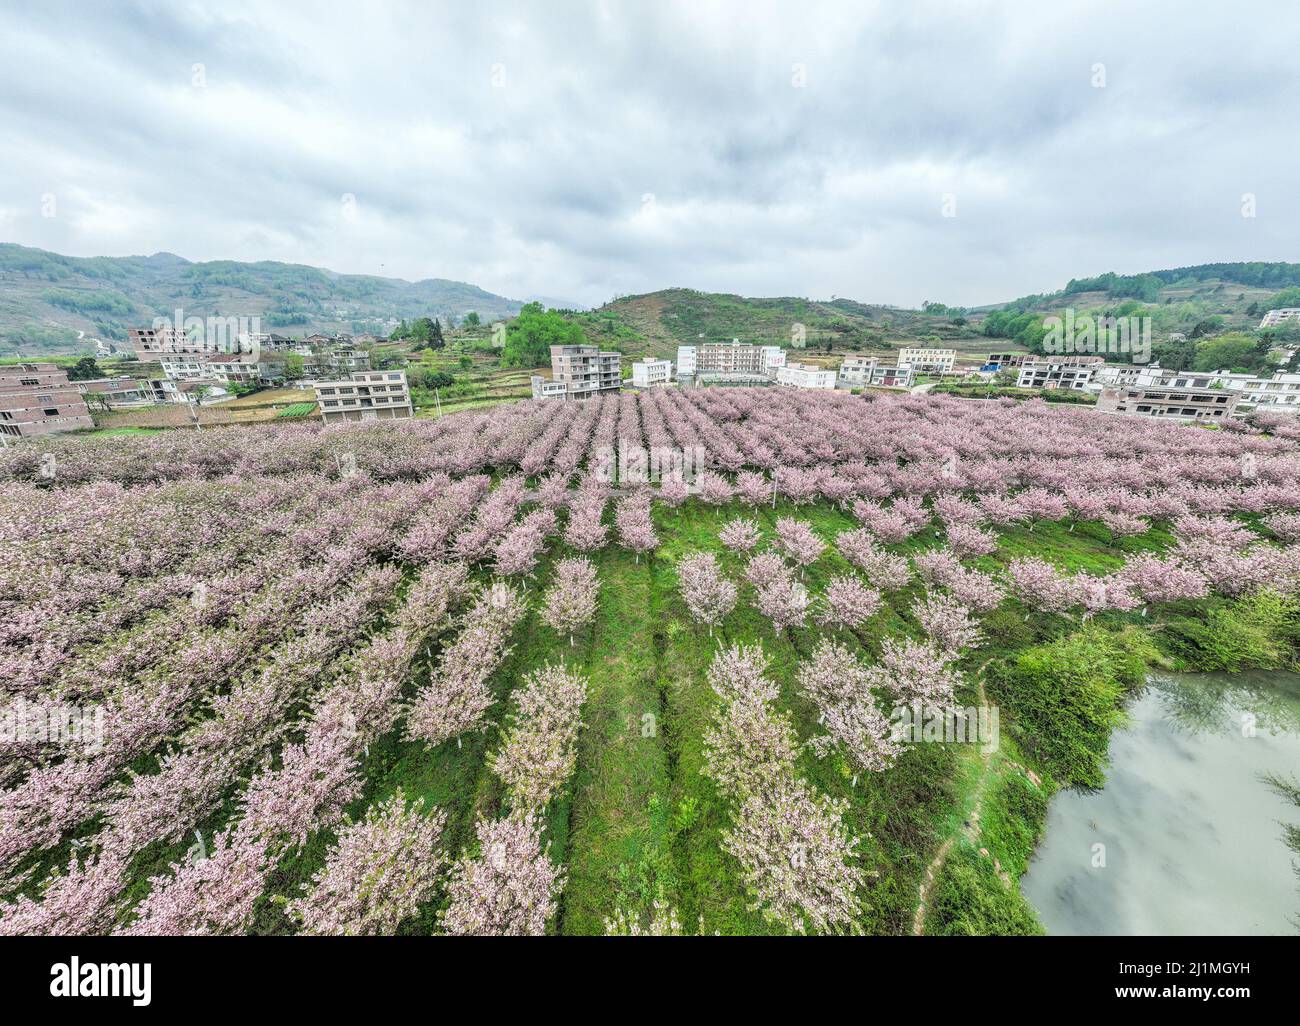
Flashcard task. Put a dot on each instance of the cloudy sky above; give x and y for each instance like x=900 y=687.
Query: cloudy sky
x=582 y=150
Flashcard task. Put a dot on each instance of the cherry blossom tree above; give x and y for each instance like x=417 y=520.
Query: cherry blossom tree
x=635 y=528
x=916 y=673
x=740 y=534
x=969 y=541
x=798 y=859
x=569 y=604
x=1040 y=586
x=947 y=622
x=885 y=570
x=509 y=888
x=753 y=488
x=784 y=602
x=848 y=602
x=540 y=746
x=840 y=687
x=378 y=874
x=708 y=595
x=798 y=541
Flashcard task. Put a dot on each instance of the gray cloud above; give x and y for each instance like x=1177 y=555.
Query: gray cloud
x=592 y=149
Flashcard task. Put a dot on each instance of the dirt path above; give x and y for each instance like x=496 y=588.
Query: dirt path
x=970 y=825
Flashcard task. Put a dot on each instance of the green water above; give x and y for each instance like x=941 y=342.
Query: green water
x=1192 y=836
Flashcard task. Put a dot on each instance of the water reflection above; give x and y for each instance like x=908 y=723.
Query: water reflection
x=1187 y=836
x=1201 y=702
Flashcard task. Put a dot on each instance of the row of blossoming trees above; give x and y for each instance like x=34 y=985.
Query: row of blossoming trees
x=249 y=609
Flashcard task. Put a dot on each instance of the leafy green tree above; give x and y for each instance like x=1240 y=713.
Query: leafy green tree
x=530 y=336
x=1232 y=352
x=470 y=320
x=84 y=370
x=1175 y=354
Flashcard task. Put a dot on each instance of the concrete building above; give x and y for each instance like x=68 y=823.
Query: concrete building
x=1275 y=317
x=651 y=373
x=151 y=343
x=1180 y=403
x=366 y=395
x=583 y=371
x=544 y=388
x=773 y=359
x=730 y=361
x=861 y=371
x=1065 y=372
x=1282 y=389
x=924 y=358
x=38 y=399
x=995 y=362
x=111 y=392
x=805 y=375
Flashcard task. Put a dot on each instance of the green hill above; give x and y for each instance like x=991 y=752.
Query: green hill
x=656 y=323
x=45 y=298
x=1207 y=300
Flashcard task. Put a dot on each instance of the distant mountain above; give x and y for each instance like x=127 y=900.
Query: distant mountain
x=46 y=299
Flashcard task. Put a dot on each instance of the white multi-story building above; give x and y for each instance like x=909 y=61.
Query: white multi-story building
x=366 y=395
x=1275 y=317
x=858 y=371
x=924 y=358
x=586 y=370
x=773 y=359
x=651 y=372
x=545 y=388
x=579 y=372
x=1057 y=374
x=734 y=360
x=805 y=375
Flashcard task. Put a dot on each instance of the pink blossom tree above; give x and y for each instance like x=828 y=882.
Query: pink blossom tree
x=848 y=602
x=740 y=535
x=570 y=602
x=840 y=687
x=797 y=859
x=635 y=528
x=540 y=747
x=799 y=542
x=948 y=623
x=378 y=874
x=708 y=595
x=508 y=889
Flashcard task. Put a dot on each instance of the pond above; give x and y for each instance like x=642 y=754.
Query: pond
x=1187 y=835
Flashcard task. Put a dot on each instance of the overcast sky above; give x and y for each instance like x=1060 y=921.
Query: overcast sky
x=580 y=151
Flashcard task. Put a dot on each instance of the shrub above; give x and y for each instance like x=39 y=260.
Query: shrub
x=1064 y=698
x=970 y=901
x=1254 y=633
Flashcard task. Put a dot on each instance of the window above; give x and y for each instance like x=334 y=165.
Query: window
x=51 y=411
